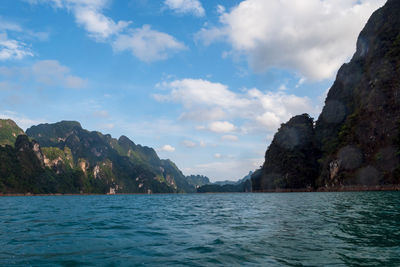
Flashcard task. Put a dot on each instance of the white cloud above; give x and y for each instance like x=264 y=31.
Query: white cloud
x=220 y=9
x=221 y=127
x=13 y=49
x=96 y=24
x=230 y=138
x=168 y=148
x=220 y=107
x=45 y=72
x=217 y=155
x=147 y=44
x=284 y=33
x=89 y=15
x=189 y=144
x=144 y=43
x=186 y=6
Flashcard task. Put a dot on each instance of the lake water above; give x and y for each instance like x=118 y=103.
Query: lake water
x=290 y=229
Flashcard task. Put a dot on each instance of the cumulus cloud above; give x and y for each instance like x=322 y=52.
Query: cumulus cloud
x=147 y=44
x=13 y=49
x=310 y=37
x=97 y=25
x=186 y=7
x=45 y=72
x=168 y=148
x=89 y=15
x=144 y=43
x=221 y=127
x=254 y=108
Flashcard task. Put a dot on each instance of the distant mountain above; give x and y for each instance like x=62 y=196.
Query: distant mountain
x=198 y=180
x=241 y=185
x=225 y=182
x=226 y=188
x=74 y=160
x=355 y=143
x=247 y=177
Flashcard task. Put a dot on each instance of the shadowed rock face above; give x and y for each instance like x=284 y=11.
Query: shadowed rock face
x=359 y=125
x=291 y=159
x=356 y=137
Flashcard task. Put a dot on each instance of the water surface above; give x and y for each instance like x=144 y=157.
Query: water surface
x=289 y=229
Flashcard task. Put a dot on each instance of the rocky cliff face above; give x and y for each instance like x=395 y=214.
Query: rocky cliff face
x=291 y=159
x=358 y=129
x=69 y=159
x=357 y=137
x=119 y=164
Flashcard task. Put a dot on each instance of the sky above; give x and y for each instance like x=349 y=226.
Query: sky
x=205 y=83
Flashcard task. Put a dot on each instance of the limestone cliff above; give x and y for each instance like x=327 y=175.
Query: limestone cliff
x=356 y=139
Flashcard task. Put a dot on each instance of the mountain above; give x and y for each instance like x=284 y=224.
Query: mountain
x=225 y=182
x=355 y=143
x=241 y=185
x=226 y=188
x=9 y=131
x=120 y=163
x=198 y=180
x=22 y=170
x=291 y=159
x=65 y=158
x=245 y=178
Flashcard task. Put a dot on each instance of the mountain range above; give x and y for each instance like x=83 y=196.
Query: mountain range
x=353 y=145
x=65 y=158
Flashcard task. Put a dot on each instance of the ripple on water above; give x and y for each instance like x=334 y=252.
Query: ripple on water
x=313 y=229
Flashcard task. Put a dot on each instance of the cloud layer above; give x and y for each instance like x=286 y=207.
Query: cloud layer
x=148 y=45
x=217 y=106
x=186 y=7
x=310 y=37
x=49 y=73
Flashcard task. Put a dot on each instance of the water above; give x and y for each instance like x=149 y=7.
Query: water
x=293 y=229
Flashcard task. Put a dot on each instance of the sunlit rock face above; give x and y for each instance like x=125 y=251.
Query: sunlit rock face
x=356 y=139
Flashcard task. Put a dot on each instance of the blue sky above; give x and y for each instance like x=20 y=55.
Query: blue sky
x=205 y=83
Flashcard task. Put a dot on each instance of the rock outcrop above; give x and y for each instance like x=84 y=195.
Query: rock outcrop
x=356 y=139
x=291 y=159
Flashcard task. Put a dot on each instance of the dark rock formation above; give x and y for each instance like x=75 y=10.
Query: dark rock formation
x=291 y=159
x=356 y=139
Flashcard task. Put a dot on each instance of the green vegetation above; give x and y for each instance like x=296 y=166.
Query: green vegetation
x=73 y=160
x=9 y=131
x=197 y=180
